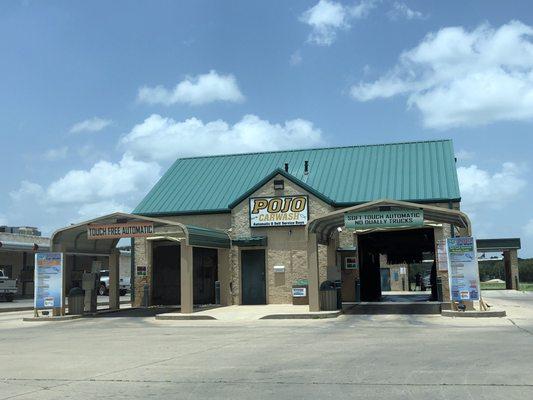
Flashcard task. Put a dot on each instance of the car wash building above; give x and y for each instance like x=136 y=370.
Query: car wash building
x=270 y=228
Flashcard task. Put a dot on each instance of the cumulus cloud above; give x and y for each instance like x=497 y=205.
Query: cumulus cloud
x=197 y=90
x=456 y=77
x=296 y=58
x=400 y=10
x=482 y=188
x=326 y=18
x=56 y=154
x=94 y=124
x=528 y=228
x=104 y=188
x=164 y=139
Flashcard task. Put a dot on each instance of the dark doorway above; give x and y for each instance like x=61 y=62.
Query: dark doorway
x=205 y=262
x=166 y=274
x=253 y=277
x=406 y=246
x=385 y=279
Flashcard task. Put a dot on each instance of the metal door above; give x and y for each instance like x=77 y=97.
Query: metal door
x=253 y=277
x=385 y=279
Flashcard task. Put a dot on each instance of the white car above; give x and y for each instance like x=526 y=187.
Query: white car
x=124 y=284
x=8 y=287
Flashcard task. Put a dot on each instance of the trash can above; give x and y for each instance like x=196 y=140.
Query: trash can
x=328 y=296
x=76 y=300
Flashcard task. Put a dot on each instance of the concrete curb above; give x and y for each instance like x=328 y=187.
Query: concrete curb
x=178 y=317
x=52 y=319
x=474 y=314
x=29 y=308
x=318 y=315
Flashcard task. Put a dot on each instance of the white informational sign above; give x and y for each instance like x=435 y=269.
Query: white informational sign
x=279 y=211
x=442 y=256
x=48 y=280
x=299 y=292
x=463 y=271
x=351 y=263
x=403 y=271
x=383 y=219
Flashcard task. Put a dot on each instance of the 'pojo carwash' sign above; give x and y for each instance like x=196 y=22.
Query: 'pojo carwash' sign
x=117 y=231
x=279 y=211
x=384 y=219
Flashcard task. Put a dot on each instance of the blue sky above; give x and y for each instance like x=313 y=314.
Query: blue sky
x=98 y=98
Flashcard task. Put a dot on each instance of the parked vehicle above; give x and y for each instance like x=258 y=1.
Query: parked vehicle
x=103 y=290
x=8 y=287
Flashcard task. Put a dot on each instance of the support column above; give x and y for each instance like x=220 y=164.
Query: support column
x=510 y=260
x=312 y=264
x=187 y=284
x=114 y=289
x=440 y=234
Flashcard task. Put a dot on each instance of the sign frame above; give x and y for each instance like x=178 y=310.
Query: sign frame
x=43 y=280
x=466 y=268
x=251 y=199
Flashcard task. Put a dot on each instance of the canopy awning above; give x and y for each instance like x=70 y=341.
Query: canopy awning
x=489 y=245
x=22 y=246
x=73 y=239
x=324 y=226
x=252 y=241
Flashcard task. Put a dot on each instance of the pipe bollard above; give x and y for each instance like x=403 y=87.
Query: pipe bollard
x=217 y=292
x=146 y=296
x=516 y=282
x=439 y=289
x=357 y=290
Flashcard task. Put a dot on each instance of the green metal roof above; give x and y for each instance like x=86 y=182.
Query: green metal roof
x=498 y=244
x=342 y=176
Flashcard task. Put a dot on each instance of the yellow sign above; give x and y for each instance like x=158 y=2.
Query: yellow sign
x=279 y=211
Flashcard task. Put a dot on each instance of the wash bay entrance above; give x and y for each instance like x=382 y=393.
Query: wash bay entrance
x=372 y=247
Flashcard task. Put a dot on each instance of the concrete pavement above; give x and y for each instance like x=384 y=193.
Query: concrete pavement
x=366 y=357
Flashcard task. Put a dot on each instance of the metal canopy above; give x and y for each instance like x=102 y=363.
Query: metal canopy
x=324 y=226
x=498 y=244
x=73 y=239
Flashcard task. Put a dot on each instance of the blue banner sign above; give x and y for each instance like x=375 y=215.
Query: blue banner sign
x=48 y=280
x=463 y=271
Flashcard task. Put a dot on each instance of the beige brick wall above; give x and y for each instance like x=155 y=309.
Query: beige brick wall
x=286 y=245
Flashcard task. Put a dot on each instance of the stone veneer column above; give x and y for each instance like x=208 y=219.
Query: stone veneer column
x=313 y=277
x=114 y=289
x=510 y=260
x=187 y=288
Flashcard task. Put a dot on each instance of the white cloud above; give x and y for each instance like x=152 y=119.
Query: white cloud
x=56 y=154
x=83 y=194
x=163 y=139
x=105 y=180
x=94 y=124
x=94 y=210
x=456 y=77
x=400 y=10
x=465 y=155
x=480 y=188
x=327 y=17
x=296 y=58
x=198 y=90
x=528 y=228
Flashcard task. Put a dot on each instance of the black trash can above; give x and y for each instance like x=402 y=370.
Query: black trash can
x=328 y=296
x=76 y=300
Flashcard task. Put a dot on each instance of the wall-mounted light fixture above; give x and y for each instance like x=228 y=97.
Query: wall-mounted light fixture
x=279 y=184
